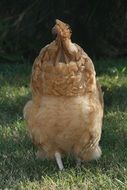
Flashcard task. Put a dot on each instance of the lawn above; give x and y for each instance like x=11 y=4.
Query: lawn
x=20 y=169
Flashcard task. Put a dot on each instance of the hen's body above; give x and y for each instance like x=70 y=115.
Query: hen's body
x=66 y=112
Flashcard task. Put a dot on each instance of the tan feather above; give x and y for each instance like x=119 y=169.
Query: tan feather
x=66 y=110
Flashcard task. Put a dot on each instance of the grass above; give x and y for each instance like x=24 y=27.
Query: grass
x=20 y=169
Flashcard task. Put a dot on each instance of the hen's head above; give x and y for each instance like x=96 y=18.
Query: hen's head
x=62 y=30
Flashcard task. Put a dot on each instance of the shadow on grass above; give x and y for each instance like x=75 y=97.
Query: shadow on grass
x=111 y=67
x=115 y=98
x=11 y=108
x=15 y=75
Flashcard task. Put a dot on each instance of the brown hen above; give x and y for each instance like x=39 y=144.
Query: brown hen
x=66 y=110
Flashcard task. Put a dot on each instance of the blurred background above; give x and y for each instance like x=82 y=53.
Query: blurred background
x=100 y=27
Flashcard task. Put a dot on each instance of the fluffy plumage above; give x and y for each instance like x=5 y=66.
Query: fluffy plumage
x=66 y=110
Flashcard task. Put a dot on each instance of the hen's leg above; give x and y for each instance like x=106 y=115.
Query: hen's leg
x=59 y=160
x=41 y=154
x=78 y=162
